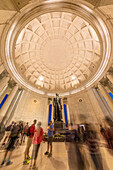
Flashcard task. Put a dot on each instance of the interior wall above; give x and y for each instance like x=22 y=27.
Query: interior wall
x=30 y=107
x=84 y=107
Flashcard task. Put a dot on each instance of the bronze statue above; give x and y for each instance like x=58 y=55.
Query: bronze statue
x=57 y=116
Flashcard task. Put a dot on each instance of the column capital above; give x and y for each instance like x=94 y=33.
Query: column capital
x=108 y=73
x=106 y=95
x=99 y=84
x=110 y=77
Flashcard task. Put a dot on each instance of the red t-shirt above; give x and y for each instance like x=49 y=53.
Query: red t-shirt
x=32 y=130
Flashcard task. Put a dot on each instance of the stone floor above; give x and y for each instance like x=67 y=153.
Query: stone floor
x=66 y=156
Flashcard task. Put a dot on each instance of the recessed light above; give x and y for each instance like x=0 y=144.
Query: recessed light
x=41 y=78
x=73 y=77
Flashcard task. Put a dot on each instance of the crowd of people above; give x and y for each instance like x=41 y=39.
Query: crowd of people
x=93 y=137
x=22 y=133
x=16 y=134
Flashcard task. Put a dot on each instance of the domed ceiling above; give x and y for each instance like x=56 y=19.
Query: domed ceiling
x=57 y=51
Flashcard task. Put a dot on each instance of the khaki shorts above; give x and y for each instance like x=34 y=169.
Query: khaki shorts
x=50 y=140
x=8 y=133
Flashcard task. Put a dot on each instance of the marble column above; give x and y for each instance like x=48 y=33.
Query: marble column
x=68 y=115
x=106 y=95
x=3 y=82
x=110 y=88
x=63 y=118
x=1 y=68
x=4 y=90
x=8 y=102
x=96 y=104
x=52 y=110
x=110 y=77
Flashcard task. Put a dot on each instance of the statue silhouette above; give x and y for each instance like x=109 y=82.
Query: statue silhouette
x=57 y=116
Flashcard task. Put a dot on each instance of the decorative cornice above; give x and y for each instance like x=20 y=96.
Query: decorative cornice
x=27 y=14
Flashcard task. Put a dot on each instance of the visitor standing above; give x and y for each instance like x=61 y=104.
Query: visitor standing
x=37 y=139
x=25 y=131
x=50 y=139
x=30 y=135
x=13 y=137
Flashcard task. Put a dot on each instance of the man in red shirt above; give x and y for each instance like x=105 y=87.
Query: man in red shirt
x=29 y=142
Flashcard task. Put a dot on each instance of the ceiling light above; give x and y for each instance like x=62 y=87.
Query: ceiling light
x=73 y=77
x=41 y=78
x=75 y=82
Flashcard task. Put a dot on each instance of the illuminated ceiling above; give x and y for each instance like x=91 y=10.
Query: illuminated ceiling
x=57 y=46
x=57 y=51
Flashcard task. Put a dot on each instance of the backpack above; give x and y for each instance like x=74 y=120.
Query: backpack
x=15 y=131
x=28 y=131
x=8 y=128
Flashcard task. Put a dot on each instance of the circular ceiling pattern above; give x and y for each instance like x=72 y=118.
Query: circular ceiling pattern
x=56 y=54
x=57 y=46
x=57 y=51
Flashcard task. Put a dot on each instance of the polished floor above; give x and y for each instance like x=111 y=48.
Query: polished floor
x=66 y=156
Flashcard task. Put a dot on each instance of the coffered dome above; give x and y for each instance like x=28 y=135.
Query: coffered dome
x=57 y=47
x=57 y=51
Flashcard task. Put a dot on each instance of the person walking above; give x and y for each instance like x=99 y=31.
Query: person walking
x=13 y=137
x=93 y=145
x=30 y=135
x=50 y=139
x=37 y=139
x=8 y=132
x=25 y=131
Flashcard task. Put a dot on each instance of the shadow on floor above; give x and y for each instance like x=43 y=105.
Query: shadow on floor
x=76 y=159
x=57 y=164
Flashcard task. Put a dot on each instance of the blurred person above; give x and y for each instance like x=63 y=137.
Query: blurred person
x=102 y=130
x=20 y=129
x=83 y=133
x=13 y=137
x=76 y=158
x=50 y=139
x=25 y=131
x=22 y=132
x=109 y=132
x=8 y=132
x=37 y=139
x=108 y=135
x=79 y=133
x=76 y=135
x=93 y=145
x=30 y=134
x=2 y=130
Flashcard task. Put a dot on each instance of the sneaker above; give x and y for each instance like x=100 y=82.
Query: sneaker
x=9 y=163
x=49 y=155
x=46 y=153
x=3 y=162
x=26 y=162
x=29 y=158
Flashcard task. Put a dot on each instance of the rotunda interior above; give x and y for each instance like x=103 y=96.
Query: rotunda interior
x=56 y=64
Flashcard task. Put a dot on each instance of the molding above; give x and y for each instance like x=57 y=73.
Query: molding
x=29 y=12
